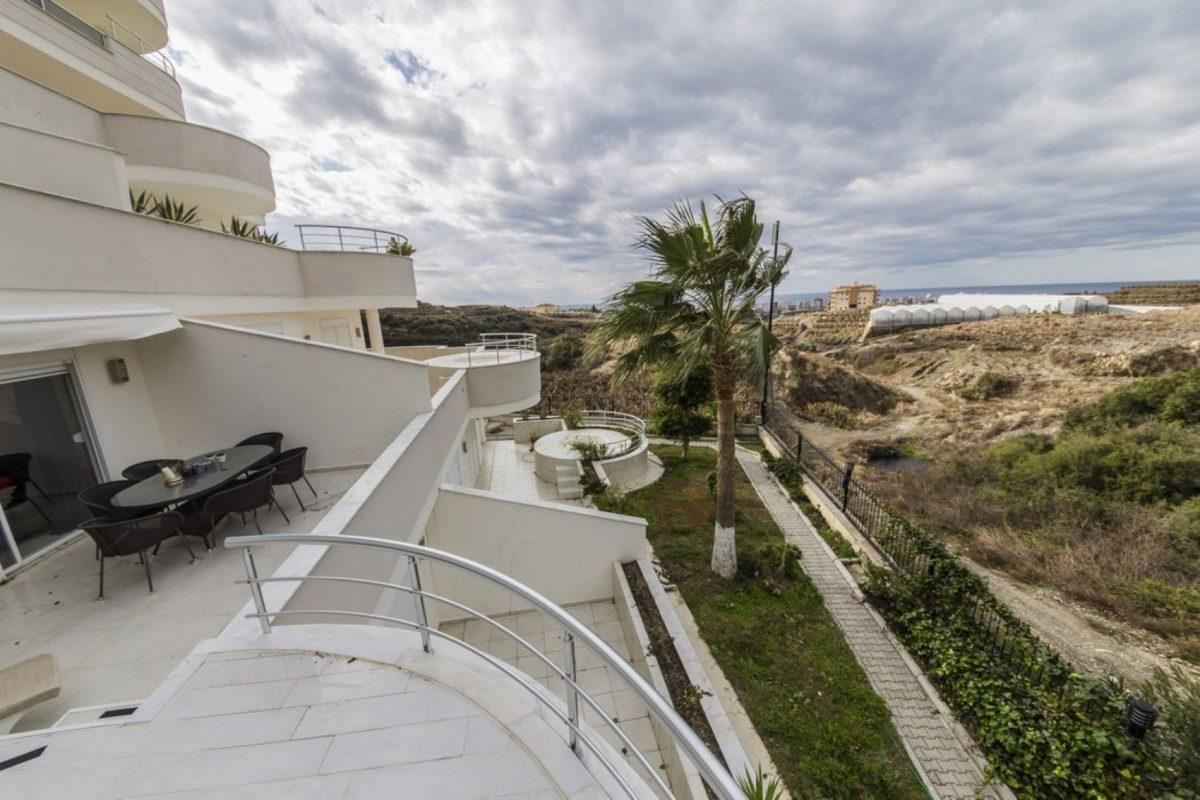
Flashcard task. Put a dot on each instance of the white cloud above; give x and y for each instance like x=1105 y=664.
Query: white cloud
x=513 y=142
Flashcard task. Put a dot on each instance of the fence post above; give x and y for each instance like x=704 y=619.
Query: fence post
x=846 y=474
x=572 y=692
x=260 y=605
x=414 y=574
x=799 y=449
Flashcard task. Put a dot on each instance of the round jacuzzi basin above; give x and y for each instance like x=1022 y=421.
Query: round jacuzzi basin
x=553 y=455
x=558 y=444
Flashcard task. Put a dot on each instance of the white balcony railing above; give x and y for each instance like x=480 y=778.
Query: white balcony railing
x=118 y=34
x=347 y=238
x=131 y=41
x=580 y=737
x=499 y=348
x=633 y=427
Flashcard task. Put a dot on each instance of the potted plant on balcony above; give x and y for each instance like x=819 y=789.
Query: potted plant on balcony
x=395 y=247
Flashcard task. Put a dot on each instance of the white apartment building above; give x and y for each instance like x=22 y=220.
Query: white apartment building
x=433 y=623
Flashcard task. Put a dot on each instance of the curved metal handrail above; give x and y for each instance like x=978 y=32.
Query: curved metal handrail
x=633 y=427
x=714 y=773
x=119 y=33
x=346 y=238
x=493 y=348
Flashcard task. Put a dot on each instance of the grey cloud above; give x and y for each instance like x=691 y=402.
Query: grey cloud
x=888 y=137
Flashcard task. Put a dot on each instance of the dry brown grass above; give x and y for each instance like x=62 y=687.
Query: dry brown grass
x=1119 y=563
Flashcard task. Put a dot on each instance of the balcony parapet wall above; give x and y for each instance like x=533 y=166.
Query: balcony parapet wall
x=82 y=248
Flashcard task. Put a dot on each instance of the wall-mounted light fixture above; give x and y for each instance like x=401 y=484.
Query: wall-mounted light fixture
x=118 y=372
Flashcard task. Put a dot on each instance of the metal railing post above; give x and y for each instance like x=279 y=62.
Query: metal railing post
x=415 y=577
x=341 y=245
x=572 y=692
x=846 y=484
x=256 y=590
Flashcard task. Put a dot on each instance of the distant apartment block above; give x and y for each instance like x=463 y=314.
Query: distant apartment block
x=853 y=295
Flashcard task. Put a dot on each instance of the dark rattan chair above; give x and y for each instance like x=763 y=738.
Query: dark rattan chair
x=15 y=468
x=98 y=500
x=289 y=468
x=117 y=538
x=244 y=497
x=144 y=469
x=272 y=439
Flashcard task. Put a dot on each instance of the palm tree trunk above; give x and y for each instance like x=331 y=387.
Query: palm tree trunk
x=724 y=555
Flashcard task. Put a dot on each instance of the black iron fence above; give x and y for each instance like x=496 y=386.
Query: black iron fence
x=916 y=557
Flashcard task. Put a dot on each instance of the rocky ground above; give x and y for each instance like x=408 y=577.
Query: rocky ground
x=940 y=392
x=923 y=386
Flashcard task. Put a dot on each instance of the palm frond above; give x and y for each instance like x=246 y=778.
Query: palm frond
x=707 y=273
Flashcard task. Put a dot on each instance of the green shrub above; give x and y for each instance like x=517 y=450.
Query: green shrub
x=1177 y=698
x=1169 y=398
x=572 y=418
x=989 y=385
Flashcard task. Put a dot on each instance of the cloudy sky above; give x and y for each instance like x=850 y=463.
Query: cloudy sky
x=909 y=144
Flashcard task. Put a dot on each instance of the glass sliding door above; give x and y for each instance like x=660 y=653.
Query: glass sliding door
x=45 y=461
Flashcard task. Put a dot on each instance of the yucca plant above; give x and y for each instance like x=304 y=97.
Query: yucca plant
x=166 y=208
x=248 y=230
x=697 y=308
x=240 y=228
x=143 y=202
x=760 y=786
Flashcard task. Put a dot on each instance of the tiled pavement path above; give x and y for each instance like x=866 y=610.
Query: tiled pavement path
x=928 y=732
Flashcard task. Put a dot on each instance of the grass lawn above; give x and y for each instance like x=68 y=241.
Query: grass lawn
x=827 y=731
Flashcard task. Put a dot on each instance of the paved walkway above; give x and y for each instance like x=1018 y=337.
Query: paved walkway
x=933 y=739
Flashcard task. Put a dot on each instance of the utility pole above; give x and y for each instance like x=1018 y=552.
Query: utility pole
x=770 y=322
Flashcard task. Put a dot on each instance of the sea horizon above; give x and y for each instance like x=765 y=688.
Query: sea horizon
x=1089 y=287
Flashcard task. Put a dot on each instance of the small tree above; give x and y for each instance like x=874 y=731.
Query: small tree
x=679 y=413
x=696 y=307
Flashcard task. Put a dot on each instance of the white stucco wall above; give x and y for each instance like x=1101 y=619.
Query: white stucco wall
x=392 y=500
x=506 y=387
x=564 y=552
x=298 y=325
x=68 y=167
x=116 y=256
x=211 y=386
x=30 y=105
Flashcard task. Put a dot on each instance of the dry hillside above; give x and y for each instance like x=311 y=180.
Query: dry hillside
x=974 y=383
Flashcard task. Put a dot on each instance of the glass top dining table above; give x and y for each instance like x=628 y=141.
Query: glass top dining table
x=153 y=493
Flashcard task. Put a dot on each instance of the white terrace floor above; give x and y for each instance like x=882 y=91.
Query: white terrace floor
x=610 y=692
x=280 y=725
x=122 y=647
x=507 y=468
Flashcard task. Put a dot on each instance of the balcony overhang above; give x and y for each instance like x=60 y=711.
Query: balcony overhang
x=25 y=329
x=222 y=175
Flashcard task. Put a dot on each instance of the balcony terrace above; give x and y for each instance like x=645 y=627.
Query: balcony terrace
x=49 y=43
x=503 y=370
x=115 y=256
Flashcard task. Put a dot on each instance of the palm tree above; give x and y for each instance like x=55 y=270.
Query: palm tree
x=696 y=308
